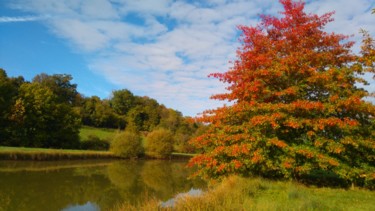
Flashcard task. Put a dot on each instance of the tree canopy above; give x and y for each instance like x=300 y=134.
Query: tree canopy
x=48 y=112
x=297 y=108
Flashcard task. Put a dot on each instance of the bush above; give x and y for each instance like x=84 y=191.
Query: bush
x=127 y=145
x=159 y=143
x=95 y=143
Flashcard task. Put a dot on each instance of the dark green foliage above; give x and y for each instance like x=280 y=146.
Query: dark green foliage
x=127 y=145
x=159 y=143
x=47 y=113
x=8 y=93
x=59 y=85
x=41 y=121
x=98 y=113
x=122 y=101
x=95 y=143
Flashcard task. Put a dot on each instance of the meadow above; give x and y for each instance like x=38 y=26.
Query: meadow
x=102 y=133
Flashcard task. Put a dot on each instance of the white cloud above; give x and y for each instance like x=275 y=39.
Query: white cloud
x=20 y=19
x=168 y=51
x=145 y=7
x=82 y=34
x=98 y=9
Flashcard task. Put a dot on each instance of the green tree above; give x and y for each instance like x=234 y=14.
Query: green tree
x=170 y=119
x=98 y=113
x=297 y=110
x=144 y=116
x=8 y=93
x=127 y=145
x=40 y=120
x=159 y=143
x=122 y=101
x=60 y=85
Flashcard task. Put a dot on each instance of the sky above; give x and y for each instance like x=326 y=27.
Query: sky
x=163 y=49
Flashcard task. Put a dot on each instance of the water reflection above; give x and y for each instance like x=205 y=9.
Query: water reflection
x=82 y=185
x=88 y=206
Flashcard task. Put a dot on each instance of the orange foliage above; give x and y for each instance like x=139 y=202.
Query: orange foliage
x=295 y=105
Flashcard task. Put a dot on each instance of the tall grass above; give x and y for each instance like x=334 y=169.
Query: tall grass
x=236 y=193
x=20 y=153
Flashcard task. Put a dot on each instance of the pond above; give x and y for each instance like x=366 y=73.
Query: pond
x=90 y=185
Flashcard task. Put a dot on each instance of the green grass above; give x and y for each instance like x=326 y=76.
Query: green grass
x=179 y=155
x=21 y=153
x=236 y=193
x=102 y=133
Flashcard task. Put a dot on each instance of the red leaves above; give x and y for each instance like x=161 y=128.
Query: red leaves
x=295 y=106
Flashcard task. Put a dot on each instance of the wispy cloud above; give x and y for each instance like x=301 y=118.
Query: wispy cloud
x=165 y=49
x=4 y=19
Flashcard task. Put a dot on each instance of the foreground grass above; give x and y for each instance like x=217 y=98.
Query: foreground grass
x=102 y=133
x=21 y=153
x=236 y=193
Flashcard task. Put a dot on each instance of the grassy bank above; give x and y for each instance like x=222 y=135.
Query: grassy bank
x=102 y=133
x=236 y=193
x=20 y=153
x=39 y=154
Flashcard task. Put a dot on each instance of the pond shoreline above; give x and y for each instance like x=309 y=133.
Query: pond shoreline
x=41 y=154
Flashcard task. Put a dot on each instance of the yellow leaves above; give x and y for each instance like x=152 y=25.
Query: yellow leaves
x=349 y=141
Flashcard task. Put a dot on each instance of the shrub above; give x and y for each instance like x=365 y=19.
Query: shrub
x=159 y=143
x=127 y=145
x=95 y=143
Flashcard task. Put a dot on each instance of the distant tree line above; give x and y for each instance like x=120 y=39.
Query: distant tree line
x=48 y=112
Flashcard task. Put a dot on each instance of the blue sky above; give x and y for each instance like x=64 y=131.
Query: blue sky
x=160 y=48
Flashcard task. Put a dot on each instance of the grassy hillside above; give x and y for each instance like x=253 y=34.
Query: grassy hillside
x=102 y=133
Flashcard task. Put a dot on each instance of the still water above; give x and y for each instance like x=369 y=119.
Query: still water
x=89 y=185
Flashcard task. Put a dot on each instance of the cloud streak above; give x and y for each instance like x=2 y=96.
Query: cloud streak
x=165 y=49
x=5 y=19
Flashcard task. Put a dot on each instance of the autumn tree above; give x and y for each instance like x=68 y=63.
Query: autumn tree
x=296 y=106
x=127 y=145
x=159 y=143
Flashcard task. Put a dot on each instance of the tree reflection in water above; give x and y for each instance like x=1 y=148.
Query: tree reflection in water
x=60 y=185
